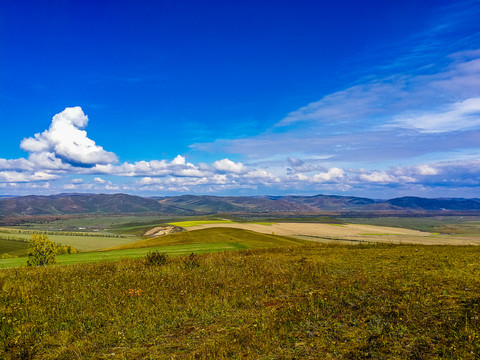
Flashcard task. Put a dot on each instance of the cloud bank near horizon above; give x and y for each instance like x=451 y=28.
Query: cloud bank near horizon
x=64 y=151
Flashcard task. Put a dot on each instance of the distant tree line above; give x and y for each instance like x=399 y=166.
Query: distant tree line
x=64 y=233
x=13 y=238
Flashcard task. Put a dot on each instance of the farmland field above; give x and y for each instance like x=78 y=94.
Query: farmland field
x=350 y=233
x=82 y=241
x=117 y=231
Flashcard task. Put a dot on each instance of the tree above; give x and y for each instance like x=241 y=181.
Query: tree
x=41 y=251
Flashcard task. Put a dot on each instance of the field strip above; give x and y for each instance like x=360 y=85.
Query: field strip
x=315 y=229
x=349 y=232
x=192 y=223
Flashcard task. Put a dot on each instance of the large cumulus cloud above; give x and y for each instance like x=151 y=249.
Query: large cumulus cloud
x=66 y=140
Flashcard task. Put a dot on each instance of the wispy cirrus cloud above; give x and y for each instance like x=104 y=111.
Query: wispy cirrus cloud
x=461 y=115
x=381 y=100
x=403 y=116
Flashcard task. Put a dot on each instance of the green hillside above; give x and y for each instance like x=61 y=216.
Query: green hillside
x=198 y=241
x=245 y=238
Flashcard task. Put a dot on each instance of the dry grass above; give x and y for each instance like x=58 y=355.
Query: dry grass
x=308 y=302
x=351 y=233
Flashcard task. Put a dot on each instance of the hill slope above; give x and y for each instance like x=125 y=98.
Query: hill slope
x=249 y=239
x=80 y=204
x=202 y=205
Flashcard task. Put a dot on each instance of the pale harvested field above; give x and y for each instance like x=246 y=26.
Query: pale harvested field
x=352 y=233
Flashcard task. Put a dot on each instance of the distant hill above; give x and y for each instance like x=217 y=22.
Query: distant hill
x=331 y=202
x=418 y=203
x=66 y=204
x=80 y=204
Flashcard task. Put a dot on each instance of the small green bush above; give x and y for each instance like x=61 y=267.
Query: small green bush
x=41 y=251
x=65 y=249
x=156 y=258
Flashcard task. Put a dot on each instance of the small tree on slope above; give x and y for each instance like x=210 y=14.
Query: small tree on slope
x=41 y=251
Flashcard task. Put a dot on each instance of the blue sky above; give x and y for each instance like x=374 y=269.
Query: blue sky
x=371 y=98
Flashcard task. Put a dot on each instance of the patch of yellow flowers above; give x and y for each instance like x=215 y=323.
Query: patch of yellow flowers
x=133 y=292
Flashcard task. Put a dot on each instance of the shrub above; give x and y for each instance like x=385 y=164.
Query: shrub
x=156 y=258
x=192 y=261
x=41 y=251
x=65 y=249
x=71 y=250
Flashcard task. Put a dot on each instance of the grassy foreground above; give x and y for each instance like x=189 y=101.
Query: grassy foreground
x=309 y=302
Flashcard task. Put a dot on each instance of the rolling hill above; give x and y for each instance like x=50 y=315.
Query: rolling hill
x=80 y=204
x=70 y=204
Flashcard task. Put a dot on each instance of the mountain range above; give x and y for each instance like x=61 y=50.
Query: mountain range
x=199 y=205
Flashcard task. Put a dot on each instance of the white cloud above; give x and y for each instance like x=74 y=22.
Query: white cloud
x=461 y=115
x=299 y=165
x=177 y=167
x=416 y=170
x=228 y=165
x=16 y=176
x=149 y=181
x=99 y=180
x=66 y=140
x=331 y=174
x=179 y=160
x=259 y=174
x=378 y=177
x=16 y=164
x=47 y=160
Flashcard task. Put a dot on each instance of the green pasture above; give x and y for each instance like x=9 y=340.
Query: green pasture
x=81 y=241
x=200 y=222
x=15 y=248
x=94 y=222
x=114 y=255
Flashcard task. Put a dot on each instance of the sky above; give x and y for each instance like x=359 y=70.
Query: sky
x=378 y=99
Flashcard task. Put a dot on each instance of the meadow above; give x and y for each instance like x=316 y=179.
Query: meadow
x=306 y=301
x=15 y=241
x=198 y=242
x=124 y=232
